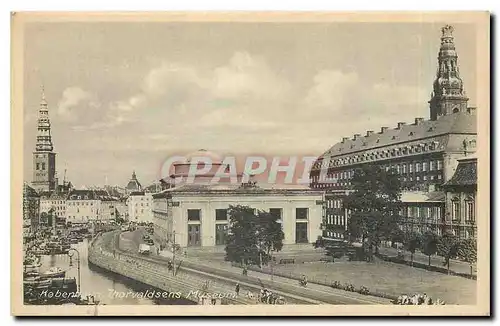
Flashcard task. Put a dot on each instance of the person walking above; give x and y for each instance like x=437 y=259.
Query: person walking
x=237 y=289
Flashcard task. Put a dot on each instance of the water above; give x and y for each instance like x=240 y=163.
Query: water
x=109 y=288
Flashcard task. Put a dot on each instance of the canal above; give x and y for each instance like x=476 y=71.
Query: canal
x=108 y=288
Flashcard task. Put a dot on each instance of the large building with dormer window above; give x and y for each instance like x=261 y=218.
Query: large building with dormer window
x=423 y=153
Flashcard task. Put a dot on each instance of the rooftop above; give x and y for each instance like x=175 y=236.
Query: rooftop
x=456 y=123
x=465 y=174
x=254 y=189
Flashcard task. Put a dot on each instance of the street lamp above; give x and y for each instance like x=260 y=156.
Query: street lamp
x=71 y=253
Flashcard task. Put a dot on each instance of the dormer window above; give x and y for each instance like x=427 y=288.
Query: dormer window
x=430 y=129
x=378 y=141
x=393 y=137
x=410 y=134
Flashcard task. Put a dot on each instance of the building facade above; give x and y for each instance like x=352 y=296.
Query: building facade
x=31 y=210
x=424 y=154
x=55 y=203
x=460 y=199
x=83 y=206
x=140 y=206
x=198 y=212
x=44 y=158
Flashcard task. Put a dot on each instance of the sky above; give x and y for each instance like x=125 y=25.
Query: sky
x=125 y=96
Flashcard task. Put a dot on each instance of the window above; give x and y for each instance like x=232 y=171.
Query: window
x=301 y=233
x=424 y=177
x=470 y=217
x=404 y=168
x=417 y=167
x=194 y=214
x=439 y=165
x=276 y=212
x=455 y=209
x=43 y=166
x=431 y=166
x=424 y=166
x=38 y=166
x=221 y=214
x=418 y=178
x=194 y=236
x=220 y=233
x=301 y=213
x=410 y=166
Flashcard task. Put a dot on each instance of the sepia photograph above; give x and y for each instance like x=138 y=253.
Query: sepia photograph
x=250 y=164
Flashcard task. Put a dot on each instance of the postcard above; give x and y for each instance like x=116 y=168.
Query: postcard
x=250 y=164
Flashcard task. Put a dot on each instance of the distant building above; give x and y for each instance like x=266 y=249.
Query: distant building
x=424 y=154
x=83 y=206
x=198 y=212
x=461 y=194
x=133 y=184
x=121 y=209
x=31 y=210
x=44 y=158
x=140 y=205
x=55 y=203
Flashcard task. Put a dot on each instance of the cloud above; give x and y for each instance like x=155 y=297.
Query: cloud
x=176 y=104
x=248 y=77
x=71 y=98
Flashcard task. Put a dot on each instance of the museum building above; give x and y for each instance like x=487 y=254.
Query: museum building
x=198 y=212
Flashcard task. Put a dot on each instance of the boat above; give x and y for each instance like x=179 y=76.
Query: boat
x=33 y=273
x=37 y=282
x=53 y=272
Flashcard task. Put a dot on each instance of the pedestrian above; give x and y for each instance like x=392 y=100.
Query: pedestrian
x=237 y=289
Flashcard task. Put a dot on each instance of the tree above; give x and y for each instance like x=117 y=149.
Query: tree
x=467 y=251
x=374 y=204
x=412 y=243
x=252 y=236
x=269 y=235
x=429 y=244
x=447 y=247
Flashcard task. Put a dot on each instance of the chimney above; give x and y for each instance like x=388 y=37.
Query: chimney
x=344 y=139
x=418 y=121
x=369 y=133
x=383 y=129
x=356 y=136
x=401 y=124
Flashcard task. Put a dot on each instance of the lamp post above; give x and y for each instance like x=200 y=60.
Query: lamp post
x=71 y=253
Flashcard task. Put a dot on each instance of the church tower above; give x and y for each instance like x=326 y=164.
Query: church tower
x=44 y=159
x=448 y=96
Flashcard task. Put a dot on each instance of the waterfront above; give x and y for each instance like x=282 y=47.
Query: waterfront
x=108 y=288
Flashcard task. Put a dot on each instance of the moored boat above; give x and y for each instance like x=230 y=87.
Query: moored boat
x=53 y=272
x=37 y=283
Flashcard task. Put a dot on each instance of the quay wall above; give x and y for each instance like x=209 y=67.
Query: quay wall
x=103 y=252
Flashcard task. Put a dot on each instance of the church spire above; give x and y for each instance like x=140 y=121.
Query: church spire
x=448 y=94
x=43 y=139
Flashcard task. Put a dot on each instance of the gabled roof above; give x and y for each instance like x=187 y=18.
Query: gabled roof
x=465 y=174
